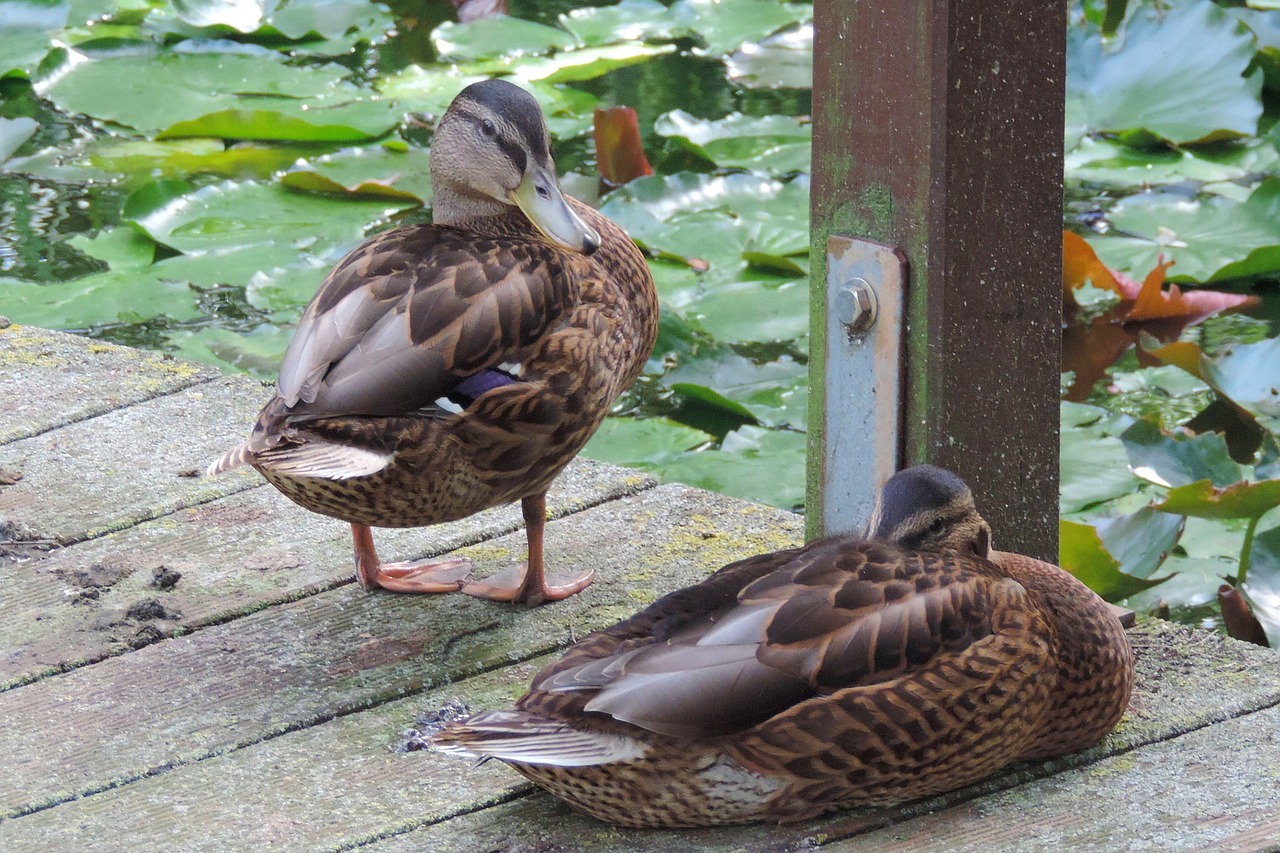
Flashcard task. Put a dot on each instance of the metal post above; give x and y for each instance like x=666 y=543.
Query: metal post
x=938 y=131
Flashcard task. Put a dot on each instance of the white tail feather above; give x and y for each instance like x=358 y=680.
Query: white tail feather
x=530 y=739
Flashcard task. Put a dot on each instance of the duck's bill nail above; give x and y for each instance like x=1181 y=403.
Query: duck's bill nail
x=540 y=198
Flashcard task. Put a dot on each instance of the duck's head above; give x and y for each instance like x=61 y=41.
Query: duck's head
x=929 y=509
x=492 y=151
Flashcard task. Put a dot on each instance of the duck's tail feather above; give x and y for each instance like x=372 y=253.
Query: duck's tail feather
x=532 y=739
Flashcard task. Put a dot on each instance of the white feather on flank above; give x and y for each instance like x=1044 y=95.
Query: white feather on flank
x=323 y=461
x=233 y=458
x=530 y=739
x=512 y=368
x=447 y=405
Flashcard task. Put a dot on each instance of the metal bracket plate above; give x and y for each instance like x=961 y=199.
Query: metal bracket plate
x=863 y=383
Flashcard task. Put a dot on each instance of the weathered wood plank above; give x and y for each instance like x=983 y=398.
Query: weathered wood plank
x=292 y=665
x=48 y=379
x=321 y=787
x=234 y=556
x=1200 y=791
x=133 y=464
x=1186 y=681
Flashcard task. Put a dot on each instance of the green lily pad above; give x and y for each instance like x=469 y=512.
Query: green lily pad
x=121 y=248
x=1178 y=460
x=1249 y=375
x=1141 y=540
x=1263 y=584
x=771 y=143
x=372 y=172
x=782 y=61
x=628 y=21
x=1112 y=163
x=497 y=36
x=725 y=25
x=1239 y=500
x=588 y=63
x=243 y=94
x=350 y=122
x=25 y=36
x=732 y=311
x=774 y=393
x=14 y=132
x=736 y=470
x=1082 y=552
x=1208 y=238
x=242 y=15
x=642 y=442
x=1094 y=465
x=1135 y=87
x=233 y=215
x=258 y=351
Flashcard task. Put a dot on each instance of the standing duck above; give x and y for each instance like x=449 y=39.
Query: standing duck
x=847 y=672
x=448 y=368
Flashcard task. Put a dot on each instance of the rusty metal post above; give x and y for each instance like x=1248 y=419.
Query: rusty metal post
x=937 y=129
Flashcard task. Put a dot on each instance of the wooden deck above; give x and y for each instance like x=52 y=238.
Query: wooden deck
x=185 y=663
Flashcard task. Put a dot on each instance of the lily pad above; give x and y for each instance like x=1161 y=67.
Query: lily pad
x=1139 y=87
x=1178 y=460
x=1094 y=466
x=370 y=172
x=1082 y=552
x=628 y=21
x=233 y=215
x=1208 y=238
x=497 y=36
x=244 y=93
x=782 y=61
x=1239 y=500
x=1249 y=375
x=736 y=470
x=725 y=25
x=1112 y=163
x=25 y=36
x=642 y=442
x=771 y=143
x=573 y=66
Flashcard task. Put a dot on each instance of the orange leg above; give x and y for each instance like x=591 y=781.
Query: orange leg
x=419 y=576
x=528 y=582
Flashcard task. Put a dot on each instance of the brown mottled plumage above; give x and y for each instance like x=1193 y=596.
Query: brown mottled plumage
x=445 y=369
x=847 y=672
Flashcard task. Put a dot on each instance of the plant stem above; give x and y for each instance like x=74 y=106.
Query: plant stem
x=1246 y=551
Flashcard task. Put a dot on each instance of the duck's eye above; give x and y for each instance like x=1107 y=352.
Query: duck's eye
x=488 y=128
x=543 y=192
x=938 y=524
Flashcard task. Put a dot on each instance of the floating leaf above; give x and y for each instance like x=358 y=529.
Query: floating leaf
x=1136 y=87
x=1240 y=500
x=1094 y=465
x=13 y=133
x=1112 y=163
x=1082 y=553
x=25 y=36
x=231 y=215
x=572 y=66
x=781 y=61
x=497 y=36
x=642 y=442
x=1238 y=618
x=1142 y=540
x=1210 y=238
x=1178 y=460
x=372 y=172
x=628 y=21
x=353 y=122
x=619 y=151
x=724 y=25
x=771 y=143
x=736 y=471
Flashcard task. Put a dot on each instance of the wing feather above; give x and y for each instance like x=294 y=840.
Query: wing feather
x=416 y=310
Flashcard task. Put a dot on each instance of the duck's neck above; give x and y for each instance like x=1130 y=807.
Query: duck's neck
x=460 y=209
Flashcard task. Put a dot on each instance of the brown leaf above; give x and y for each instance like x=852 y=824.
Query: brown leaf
x=1155 y=303
x=619 y=151
x=1238 y=617
x=1080 y=264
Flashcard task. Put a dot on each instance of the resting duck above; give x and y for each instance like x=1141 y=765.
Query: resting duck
x=448 y=368
x=847 y=672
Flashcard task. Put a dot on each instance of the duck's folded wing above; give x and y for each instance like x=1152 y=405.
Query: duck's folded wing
x=835 y=615
x=406 y=317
